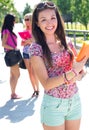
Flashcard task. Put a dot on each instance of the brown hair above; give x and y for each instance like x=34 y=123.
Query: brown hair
x=39 y=35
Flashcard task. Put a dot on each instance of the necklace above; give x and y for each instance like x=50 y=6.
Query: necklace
x=55 y=47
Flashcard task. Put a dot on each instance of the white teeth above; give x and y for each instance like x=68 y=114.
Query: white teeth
x=49 y=28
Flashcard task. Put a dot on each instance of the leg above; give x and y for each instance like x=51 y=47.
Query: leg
x=14 y=76
x=35 y=82
x=73 y=118
x=32 y=76
x=69 y=125
x=72 y=124
x=52 y=114
x=61 y=127
x=35 y=79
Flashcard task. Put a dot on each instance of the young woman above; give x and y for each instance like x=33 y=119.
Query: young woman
x=57 y=70
x=26 y=44
x=8 y=44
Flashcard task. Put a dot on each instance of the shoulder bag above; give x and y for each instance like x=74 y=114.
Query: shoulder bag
x=14 y=56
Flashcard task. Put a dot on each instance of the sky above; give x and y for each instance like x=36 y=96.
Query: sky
x=21 y=4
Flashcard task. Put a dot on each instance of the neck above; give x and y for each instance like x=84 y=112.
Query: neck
x=51 y=39
x=28 y=28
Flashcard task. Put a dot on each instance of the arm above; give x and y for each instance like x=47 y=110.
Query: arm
x=40 y=69
x=72 y=47
x=47 y=82
x=4 y=42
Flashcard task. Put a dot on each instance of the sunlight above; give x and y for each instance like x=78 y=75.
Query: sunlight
x=19 y=5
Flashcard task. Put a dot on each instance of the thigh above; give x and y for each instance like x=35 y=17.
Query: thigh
x=72 y=124
x=61 y=127
x=74 y=109
x=27 y=63
x=52 y=111
x=14 y=70
x=74 y=114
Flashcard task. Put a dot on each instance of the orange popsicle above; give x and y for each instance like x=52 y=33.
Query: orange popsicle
x=84 y=51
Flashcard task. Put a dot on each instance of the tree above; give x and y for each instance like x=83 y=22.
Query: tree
x=64 y=7
x=74 y=10
x=80 y=11
x=7 y=6
x=27 y=9
x=84 y=19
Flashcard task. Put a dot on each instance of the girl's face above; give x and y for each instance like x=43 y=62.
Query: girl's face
x=27 y=21
x=47 y=21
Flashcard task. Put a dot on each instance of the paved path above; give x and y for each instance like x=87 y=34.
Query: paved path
x=24 y=113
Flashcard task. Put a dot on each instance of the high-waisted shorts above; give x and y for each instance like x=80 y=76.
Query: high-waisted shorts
x=25 y=56
x=54 y=111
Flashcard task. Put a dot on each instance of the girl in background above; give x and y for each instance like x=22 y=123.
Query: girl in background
x=8 y=44
x=26 y=44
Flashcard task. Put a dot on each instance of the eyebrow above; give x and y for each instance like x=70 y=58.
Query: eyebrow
x=45 y=17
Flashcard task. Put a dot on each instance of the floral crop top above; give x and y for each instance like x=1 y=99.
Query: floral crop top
x=61 y=64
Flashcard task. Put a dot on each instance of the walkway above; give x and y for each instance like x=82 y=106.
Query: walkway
x=24 y=113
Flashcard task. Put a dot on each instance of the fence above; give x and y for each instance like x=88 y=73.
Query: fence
x=73 y=32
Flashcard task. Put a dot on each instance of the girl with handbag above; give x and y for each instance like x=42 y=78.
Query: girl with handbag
x=8 y=38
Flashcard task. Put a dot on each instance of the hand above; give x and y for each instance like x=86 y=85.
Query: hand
x=81 y=74
x=26 y=41
x=22 y=43
x=78 y=66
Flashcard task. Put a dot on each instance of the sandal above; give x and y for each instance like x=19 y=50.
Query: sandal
x=15 y=96
x=36 y=93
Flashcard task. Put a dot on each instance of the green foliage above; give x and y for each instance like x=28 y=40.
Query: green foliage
x=7 y=6
x=80 y=11
x=27 y=9
x=74 y=10
x=64 y=6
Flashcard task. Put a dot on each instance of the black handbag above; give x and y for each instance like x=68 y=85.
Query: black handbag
x=12 y=57
x=22 y=64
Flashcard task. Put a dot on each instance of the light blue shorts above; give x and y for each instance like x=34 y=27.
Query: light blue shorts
x=54 y=111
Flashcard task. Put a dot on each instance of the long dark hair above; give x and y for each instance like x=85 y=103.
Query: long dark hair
x=8 y=23
x=39 y=35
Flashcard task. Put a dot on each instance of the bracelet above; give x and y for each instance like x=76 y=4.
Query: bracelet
x=74 y=72
x=65 y=78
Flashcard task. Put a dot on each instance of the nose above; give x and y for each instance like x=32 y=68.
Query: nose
x=48 y=21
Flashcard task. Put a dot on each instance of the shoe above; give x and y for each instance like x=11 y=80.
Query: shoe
x=36 y=93
x=15 y=96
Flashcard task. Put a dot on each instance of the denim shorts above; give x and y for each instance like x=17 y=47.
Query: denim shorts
x=25 y=56
x=54 y=111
